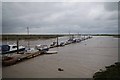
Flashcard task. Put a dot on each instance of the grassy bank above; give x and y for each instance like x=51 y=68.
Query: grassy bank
x=111 y=72
x=36 y=36
x=113 y=35
x=117 y=36
x=26 y=37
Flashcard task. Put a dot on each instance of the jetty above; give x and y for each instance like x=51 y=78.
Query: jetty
x=9 y=60
x=71 y=40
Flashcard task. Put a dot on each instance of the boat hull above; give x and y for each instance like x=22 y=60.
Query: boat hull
x=6 y=52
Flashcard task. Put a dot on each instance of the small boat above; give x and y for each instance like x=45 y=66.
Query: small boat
x=51 y=52
x=68 y=42
x=53 y=44
x=89 y=36
x=5 y=49
x=78 y=40
x=74 y=40
x=62 y=44
x=42 y=47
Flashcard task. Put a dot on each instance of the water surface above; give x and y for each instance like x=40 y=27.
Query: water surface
x=80 y=60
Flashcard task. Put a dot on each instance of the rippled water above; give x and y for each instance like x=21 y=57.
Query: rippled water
x=80 y=60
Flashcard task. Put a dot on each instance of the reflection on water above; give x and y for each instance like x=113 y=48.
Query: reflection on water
x=80 y=60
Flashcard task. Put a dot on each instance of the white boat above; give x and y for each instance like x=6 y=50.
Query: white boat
x=5 y=49
x=42 y=47
x=53 y=44
x=51 y=52
x=62 y=44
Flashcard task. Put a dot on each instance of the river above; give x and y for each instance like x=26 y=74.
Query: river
x=79 y=60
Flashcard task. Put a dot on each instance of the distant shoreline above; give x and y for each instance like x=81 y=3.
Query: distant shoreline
x=27 y=37
x=37 y=36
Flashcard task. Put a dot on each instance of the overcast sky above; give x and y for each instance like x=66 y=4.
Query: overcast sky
x=60 y=17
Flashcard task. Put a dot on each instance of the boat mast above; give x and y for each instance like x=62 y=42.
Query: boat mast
x=28 y=37
x=78 y=35
x=17 y=45
x=7 y=39
x=69 y=34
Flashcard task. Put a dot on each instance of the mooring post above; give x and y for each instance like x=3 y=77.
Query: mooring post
x=57 y=40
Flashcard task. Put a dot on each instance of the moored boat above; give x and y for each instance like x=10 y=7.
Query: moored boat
x=42 y=47
x=62 y=44
x=6 y=49
x=51 y=52
x=53 y=44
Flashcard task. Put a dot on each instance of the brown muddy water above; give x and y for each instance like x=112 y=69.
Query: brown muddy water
x=80 y=60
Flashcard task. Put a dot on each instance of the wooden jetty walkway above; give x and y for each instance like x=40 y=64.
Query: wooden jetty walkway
x=19 y=57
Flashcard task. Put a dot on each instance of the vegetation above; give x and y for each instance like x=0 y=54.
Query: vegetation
x=117 y=35
x=37 y=36
x=113 y=35
x=112 y=72
x=25 y=37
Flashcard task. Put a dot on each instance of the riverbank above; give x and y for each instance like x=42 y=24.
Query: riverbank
x=28 y=37
x=46 y=36
x=111 y=72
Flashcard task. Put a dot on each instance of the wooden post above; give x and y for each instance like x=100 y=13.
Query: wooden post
x=57 y=40
x=28 y=37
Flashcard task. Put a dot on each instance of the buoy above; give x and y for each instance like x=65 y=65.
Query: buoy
x=59 y=69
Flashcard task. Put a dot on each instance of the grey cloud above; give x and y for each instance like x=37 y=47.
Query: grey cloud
x=59 y=17
x=111 y=6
